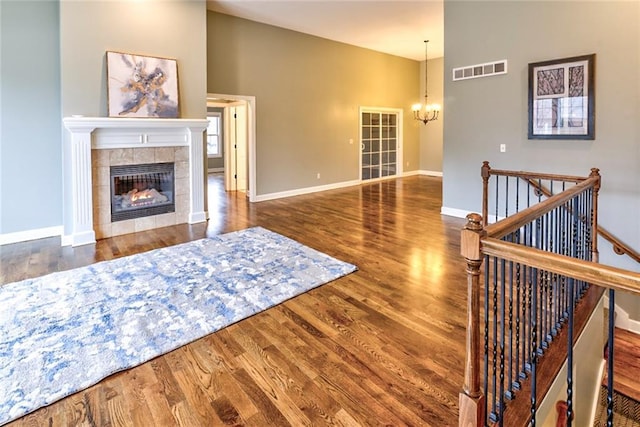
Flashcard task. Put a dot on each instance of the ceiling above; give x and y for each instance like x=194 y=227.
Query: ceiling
x=395 y=27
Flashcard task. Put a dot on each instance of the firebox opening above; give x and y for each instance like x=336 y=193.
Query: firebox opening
x=141 y=190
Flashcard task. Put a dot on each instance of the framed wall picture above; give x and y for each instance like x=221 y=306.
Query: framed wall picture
x=141 y=86
x=562 y=98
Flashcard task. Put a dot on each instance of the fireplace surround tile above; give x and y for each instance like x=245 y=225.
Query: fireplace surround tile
x=144 y=155
x=121 y=156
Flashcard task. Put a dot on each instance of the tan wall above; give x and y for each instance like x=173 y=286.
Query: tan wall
x=431 y=133
x=308 y=92
x=171 y=29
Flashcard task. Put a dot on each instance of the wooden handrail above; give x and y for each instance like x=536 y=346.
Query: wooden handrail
x=619 y=247
x=533 y=175
x=590 y=272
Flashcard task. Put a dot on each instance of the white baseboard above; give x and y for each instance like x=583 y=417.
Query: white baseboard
x=308 y=190
x=23 y=236
x=458 y=213
x=431 y=173
x=411 y=173
x=623 y=321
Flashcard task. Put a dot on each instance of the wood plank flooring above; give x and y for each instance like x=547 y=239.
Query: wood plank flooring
x=626 y=364
x=381 y=346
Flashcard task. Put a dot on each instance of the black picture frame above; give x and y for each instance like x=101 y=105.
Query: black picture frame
x=562 y=98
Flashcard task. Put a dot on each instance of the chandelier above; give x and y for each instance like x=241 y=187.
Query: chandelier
x=428 y=112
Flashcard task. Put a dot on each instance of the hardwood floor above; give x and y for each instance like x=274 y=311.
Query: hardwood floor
x=626 y=364
x=381 y=346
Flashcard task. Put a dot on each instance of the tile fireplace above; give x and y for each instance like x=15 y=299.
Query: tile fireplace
x=102 y=153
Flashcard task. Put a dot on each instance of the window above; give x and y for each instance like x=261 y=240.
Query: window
x=214 y=137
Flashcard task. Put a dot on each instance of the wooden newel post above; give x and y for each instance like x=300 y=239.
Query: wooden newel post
x=471 y=398
x=595 y=256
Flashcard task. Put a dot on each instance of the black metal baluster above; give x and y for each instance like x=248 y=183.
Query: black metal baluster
x=494 y=417
x=486 y=338
x=506 y=199
x=502 y=336
x=610 y=359
x=511 y=360
x=528 y=304
x=556 y=277
x=570 y=354
x=495 y=219
x=519 y=313
x=517 y=195
x=534 y=344
x=550 y=322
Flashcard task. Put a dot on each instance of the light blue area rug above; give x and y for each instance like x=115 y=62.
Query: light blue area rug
x=66 y=331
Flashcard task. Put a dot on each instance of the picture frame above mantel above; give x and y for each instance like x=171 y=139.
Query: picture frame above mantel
x=562 y=98
x=141 y=86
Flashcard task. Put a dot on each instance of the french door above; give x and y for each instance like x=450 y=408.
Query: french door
x=379 y=143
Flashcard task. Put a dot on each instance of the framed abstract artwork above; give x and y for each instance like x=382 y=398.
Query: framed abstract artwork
x=562 y=98
x=141 y=86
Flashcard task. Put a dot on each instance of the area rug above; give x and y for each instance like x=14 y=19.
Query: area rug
x=66 y=331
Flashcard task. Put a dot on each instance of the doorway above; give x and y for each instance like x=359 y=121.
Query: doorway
x=380 y=143
x=238 y=141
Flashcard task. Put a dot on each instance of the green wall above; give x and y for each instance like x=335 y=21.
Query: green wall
x=483 y=113
x=308 y=92
x=31 y=127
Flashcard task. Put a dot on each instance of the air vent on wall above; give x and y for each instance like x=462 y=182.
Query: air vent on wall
x=480 y=70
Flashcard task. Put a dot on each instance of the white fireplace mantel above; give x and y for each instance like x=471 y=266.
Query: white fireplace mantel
x=98 y=133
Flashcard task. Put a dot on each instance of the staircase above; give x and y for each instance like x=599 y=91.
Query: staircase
x=626 y=382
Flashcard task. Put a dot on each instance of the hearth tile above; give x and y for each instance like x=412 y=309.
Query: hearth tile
x=103 y=231
x=165 y=220
x=145 y=223
x=122 y=227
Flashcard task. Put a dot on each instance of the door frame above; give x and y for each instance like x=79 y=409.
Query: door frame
x=251 y=135
x=399 y=148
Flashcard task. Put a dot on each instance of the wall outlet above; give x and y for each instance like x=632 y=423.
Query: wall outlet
x=318 y=176
x=503 y=148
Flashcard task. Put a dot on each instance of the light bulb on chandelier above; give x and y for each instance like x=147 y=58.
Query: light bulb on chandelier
x=427 y=112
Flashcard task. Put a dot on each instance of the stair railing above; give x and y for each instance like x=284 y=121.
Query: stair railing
x=539 y=262
x=535 y=182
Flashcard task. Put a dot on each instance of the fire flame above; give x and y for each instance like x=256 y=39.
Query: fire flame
x=141 y=195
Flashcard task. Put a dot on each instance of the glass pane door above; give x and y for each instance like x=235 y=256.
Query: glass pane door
x=379 y=144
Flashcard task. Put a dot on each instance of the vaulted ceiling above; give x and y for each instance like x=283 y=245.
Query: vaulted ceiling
x=393 y=27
